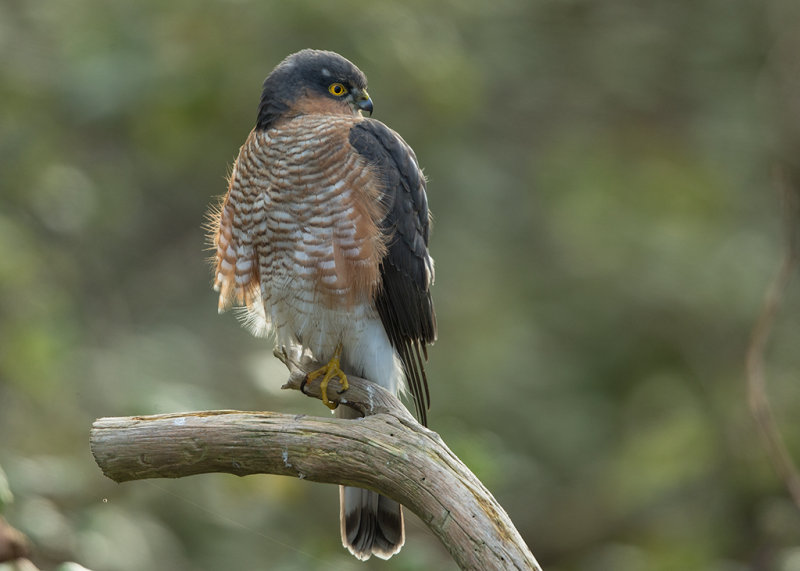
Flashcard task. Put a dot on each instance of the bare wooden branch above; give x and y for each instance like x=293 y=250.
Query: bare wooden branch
x=13 y=543
x=388 y=451
x=757 y=398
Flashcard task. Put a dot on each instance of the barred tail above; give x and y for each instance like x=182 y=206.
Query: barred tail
x=371 y=524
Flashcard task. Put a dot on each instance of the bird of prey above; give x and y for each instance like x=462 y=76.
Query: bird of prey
x=322 y=237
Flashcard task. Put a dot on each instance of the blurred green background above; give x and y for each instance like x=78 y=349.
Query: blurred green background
x=606 y=222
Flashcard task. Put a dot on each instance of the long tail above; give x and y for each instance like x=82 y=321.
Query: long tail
x=371 y=524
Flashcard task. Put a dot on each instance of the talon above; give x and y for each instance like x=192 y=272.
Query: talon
x=303 y=385
x=328 y=372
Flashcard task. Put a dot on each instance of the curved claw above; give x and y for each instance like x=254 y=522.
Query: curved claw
x=329 y=371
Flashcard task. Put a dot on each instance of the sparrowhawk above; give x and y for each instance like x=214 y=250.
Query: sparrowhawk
x=323 y=238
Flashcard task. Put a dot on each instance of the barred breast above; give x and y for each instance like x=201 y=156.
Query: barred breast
x=298 y=241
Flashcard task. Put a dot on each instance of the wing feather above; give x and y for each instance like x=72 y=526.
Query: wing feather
x=403 y=299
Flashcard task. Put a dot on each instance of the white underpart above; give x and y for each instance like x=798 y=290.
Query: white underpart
x=366 y=351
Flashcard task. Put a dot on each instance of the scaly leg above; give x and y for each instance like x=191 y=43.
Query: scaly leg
x=331 y=370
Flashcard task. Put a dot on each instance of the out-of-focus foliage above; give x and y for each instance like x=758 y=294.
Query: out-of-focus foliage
x=606 y=221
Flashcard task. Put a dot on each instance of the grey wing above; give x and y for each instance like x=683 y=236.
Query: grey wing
x=403 y=301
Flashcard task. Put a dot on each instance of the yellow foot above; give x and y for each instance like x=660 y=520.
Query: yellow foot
x=329 y=371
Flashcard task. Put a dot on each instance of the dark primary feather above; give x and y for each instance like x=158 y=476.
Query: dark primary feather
x=403 y=301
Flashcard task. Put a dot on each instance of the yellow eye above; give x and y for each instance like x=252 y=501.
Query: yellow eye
x=337 y=89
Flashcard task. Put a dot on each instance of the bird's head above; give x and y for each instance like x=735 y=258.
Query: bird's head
x=313 y=81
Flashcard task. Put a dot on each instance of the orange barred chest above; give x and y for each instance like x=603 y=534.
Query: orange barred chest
x=300 y=220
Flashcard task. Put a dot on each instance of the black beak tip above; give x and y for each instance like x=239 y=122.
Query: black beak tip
x=366 y=105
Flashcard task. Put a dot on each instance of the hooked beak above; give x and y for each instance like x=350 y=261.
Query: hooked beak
x=363 y=102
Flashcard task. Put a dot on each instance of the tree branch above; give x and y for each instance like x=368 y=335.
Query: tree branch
x=757 y=398
x=388 y=451
x=13 y=544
